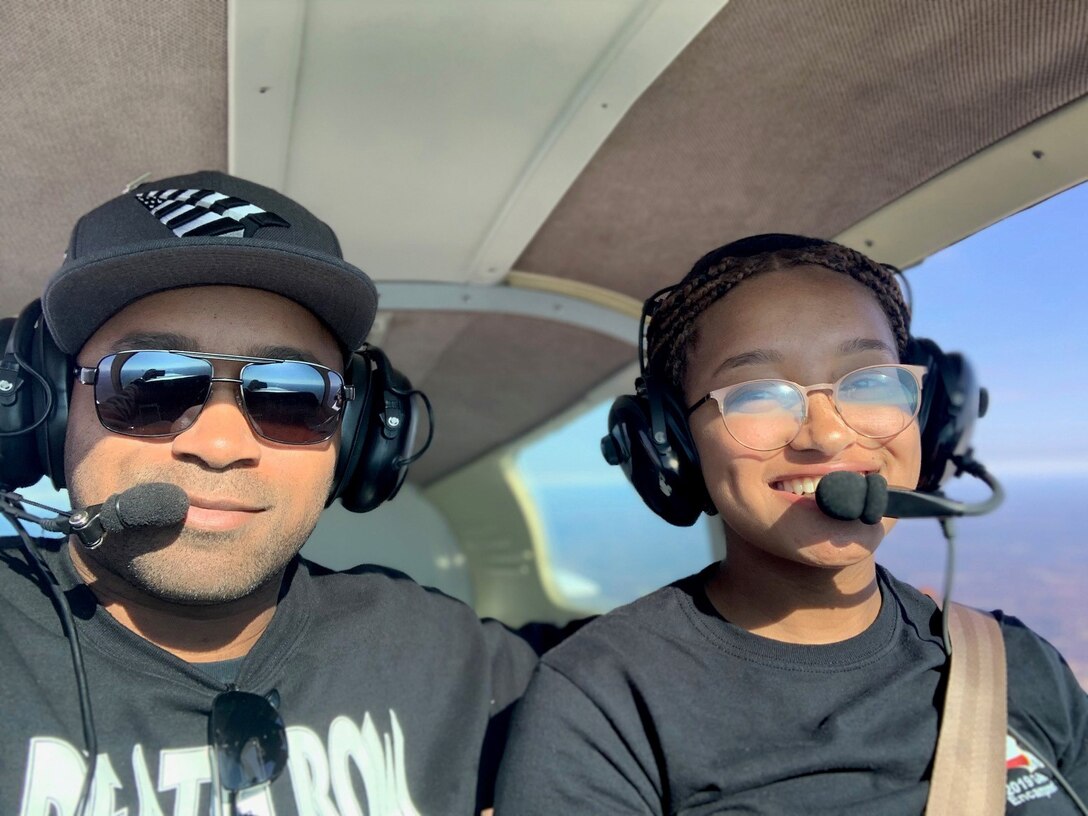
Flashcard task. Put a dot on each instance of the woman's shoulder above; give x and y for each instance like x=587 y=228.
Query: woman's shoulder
x=1036 y=670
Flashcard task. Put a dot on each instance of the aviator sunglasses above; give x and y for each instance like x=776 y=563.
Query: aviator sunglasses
x=150 y=393
x=876 y=402
x=248 y=740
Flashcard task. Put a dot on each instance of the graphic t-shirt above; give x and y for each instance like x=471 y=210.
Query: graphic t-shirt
x=395 y=698
x=664 y=707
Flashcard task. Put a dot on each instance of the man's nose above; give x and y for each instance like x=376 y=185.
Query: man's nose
x=221 y=436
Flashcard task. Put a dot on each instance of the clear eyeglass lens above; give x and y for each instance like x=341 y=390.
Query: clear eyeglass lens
x=878 y=402
x=875 y=402
x=764 y=414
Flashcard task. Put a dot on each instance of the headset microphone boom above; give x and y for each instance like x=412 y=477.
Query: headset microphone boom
x=145 y=506
x=849 y=496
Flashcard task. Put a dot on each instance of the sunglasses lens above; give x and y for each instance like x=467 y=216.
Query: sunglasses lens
x=880 y=401
x=292 y=402
x=249 y=739
x=764 y=414
x=150 y=393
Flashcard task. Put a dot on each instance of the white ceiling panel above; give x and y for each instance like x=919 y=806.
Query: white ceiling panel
x=437 y=136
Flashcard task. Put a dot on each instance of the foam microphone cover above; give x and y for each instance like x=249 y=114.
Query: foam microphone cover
x=155 y=504
x=842 y=495
x=876 y=498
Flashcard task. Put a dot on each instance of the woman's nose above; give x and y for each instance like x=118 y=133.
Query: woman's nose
x=823 y=429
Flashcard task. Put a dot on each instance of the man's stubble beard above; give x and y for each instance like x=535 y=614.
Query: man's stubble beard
x=182 y=567
x=179 y=566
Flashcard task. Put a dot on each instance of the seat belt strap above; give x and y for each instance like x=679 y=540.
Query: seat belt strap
x=969 y=766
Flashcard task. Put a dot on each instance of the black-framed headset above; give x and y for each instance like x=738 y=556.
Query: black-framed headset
x=377 y=436
x=649 y=438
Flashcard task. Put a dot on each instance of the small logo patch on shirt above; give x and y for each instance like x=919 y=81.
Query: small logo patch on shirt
x=1026 y=778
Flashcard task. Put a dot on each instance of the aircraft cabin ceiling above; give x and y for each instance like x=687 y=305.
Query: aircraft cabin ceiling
x=464 y=149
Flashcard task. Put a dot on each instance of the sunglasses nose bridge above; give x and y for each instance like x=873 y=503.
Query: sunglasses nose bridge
x=221 y=388
x=220 y=430
x=225 y=379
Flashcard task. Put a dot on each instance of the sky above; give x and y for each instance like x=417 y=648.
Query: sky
x=1013 y=299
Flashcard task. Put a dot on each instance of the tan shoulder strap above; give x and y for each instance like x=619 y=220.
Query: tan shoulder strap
x=969 y=768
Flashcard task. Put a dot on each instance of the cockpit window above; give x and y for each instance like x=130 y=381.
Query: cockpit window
x=1012 y=299
x=42 y=492
x=603 y=547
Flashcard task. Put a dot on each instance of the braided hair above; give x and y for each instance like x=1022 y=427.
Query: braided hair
x=675 y=311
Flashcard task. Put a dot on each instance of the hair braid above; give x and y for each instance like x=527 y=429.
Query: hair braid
x=672 y=327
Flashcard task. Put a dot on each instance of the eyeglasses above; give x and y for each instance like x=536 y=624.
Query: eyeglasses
x=876 y=402
x=161 y=393
x=248 y=740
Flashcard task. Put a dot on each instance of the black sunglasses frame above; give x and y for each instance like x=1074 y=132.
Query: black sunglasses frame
x=88 y=375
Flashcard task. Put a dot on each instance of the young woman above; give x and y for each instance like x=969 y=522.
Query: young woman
x=796 y=676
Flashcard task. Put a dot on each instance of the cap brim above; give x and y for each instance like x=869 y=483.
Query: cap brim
x=85 y=295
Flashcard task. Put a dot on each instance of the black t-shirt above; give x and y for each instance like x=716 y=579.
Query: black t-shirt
x=395 y=699
x=663 y=707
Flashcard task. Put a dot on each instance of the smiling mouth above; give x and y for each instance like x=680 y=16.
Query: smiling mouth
x=804 y=486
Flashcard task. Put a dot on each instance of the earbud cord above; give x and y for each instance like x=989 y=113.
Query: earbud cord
x=949 y=530
x=90 y=737
x=45 y=387
x=430 y=426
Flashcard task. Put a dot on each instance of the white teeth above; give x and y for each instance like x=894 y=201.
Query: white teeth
x=798 y=486
x=806 y=485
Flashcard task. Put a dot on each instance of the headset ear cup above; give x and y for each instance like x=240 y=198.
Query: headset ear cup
x=353 y=428
x=670 y=483
x=690 y=469
x=20 y=465
x=951 y=404
x=376 y=467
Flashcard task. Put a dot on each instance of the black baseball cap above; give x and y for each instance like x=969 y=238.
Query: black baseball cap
x=201 y=229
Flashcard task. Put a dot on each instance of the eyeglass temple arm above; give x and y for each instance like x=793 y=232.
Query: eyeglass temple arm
x=699 y=404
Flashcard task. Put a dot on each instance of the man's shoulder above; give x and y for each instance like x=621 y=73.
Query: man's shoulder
x=373 y=578
x=1033 y=663
x=16 y=570
x=379 y=591
x=25 y=603
x=392 y=605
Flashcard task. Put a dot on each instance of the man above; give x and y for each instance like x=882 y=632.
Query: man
x=207 y=321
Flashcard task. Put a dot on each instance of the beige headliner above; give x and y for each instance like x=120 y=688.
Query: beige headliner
x=778 y=116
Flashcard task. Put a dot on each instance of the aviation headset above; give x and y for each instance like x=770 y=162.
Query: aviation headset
x=376 y=436
x=649 y=438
